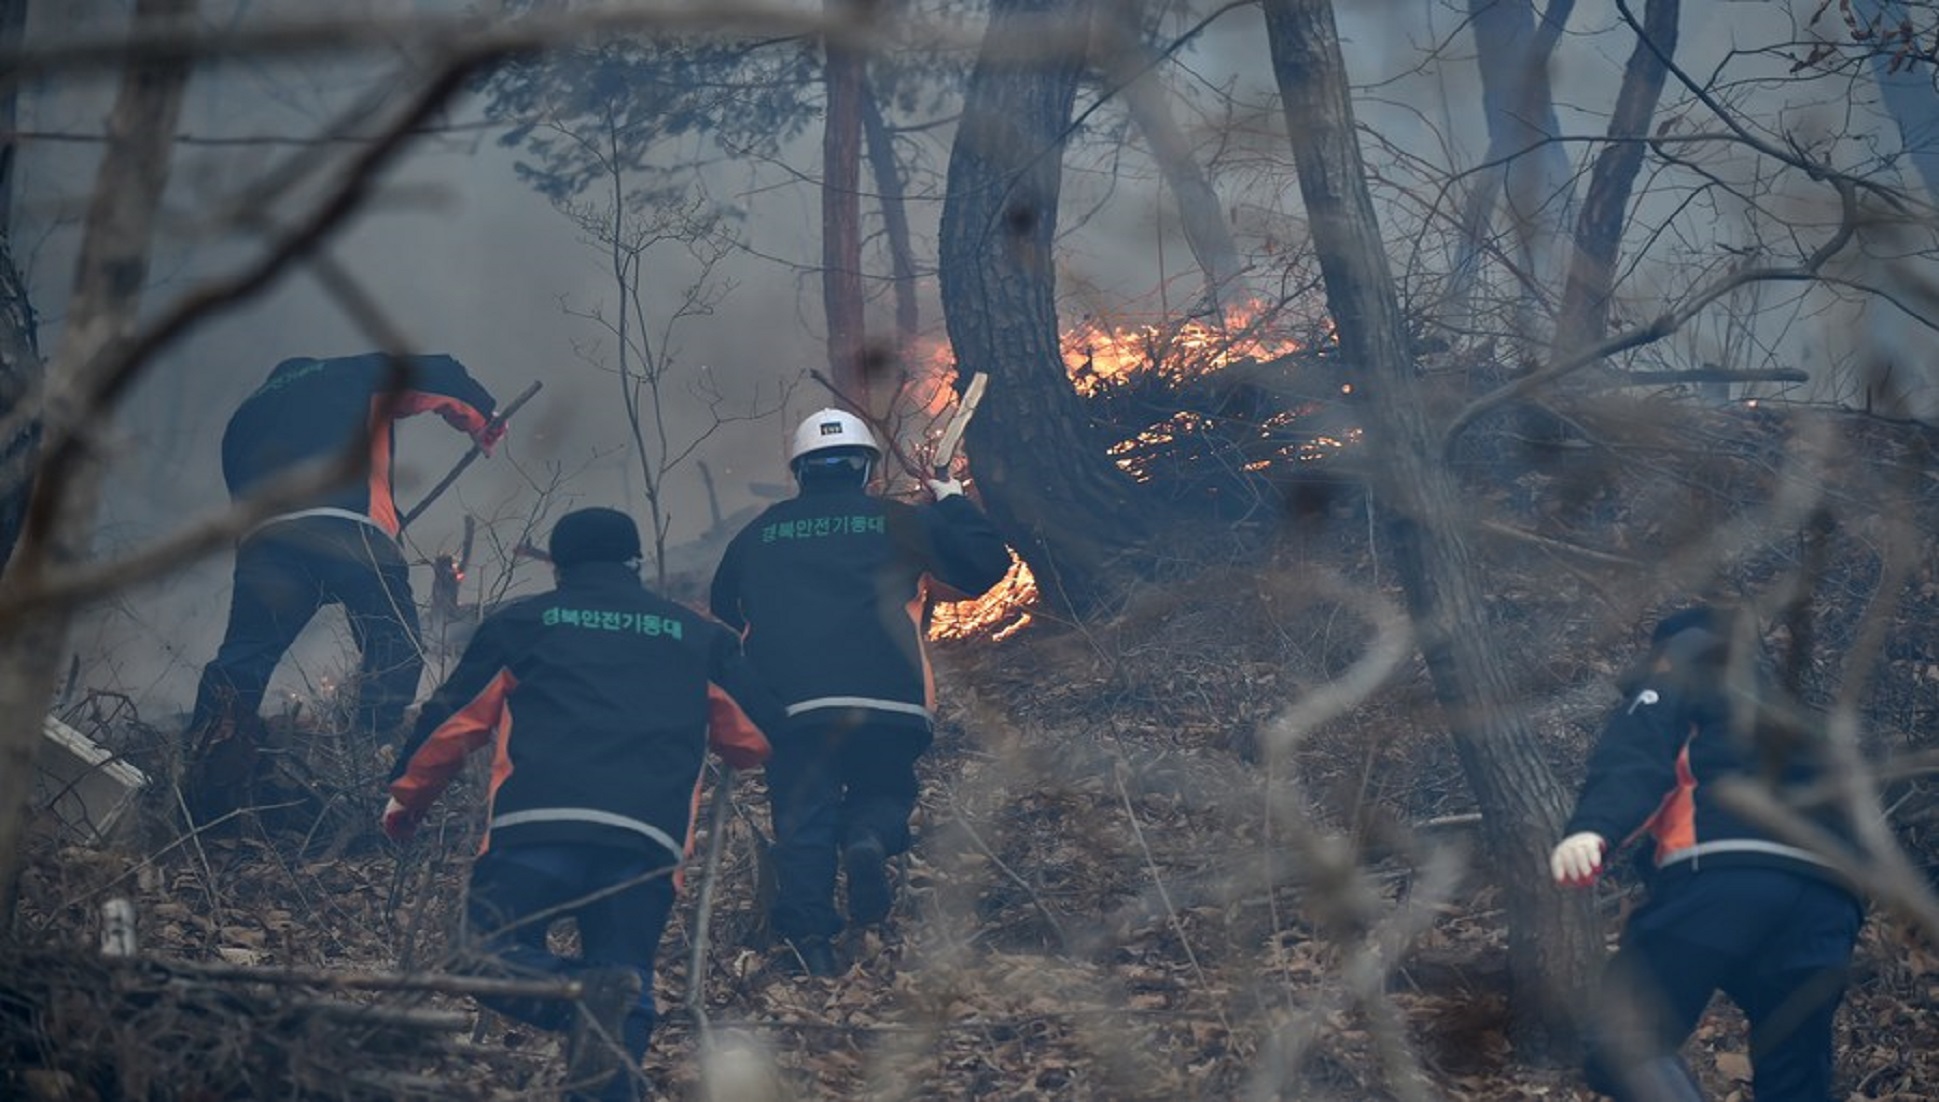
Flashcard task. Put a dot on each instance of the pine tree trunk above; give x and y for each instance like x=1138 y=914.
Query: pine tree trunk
x=1044 y=474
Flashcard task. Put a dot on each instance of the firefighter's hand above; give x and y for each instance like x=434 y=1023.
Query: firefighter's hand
x=1577 y=859
x=488 y=437
x=940 y=488
x=400 y=822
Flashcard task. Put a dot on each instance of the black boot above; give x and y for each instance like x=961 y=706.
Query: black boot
x=869 y=895
x=812 y=956
x=595 y=1053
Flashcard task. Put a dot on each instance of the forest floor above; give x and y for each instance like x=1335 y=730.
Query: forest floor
x=1115 y=893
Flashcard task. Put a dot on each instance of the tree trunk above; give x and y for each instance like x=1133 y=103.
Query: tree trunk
x=1044 y=474
x=1905 y=77
x=20 y=364
x=1552 y=938
x=841 y=224
x=1513 y=48
x=13 y=24
x=21 y=373
x=1128 y=61
x=101 y=315
x=895 y=220
x=1584 y=316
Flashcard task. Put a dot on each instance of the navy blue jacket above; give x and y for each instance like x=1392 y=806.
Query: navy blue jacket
x=310 y=409
x=827 y=588
x=1662 y=754
x=599 y=700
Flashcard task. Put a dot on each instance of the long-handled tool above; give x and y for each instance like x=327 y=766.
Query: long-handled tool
x=952 y=437
x=471 y=457
x=710 y=872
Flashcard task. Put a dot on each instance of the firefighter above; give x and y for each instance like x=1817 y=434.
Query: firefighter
x=340 y=548
x=826 y=588
x=617 y=695
x=1730 y=907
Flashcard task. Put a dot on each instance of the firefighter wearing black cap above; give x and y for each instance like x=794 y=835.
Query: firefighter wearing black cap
x=827 y=589
x=599 y=700
x=341 y=548
x=1730 y=908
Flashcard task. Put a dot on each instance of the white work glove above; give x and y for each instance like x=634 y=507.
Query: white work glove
x=1577 y=860
x=941 y=488
x=399 y=822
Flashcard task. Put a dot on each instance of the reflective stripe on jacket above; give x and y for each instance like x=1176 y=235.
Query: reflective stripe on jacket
x=599 y=700
x=828 y=590
x=310 y=410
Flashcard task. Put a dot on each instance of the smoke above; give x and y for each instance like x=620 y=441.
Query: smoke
x=459 y=257
x=462 y=258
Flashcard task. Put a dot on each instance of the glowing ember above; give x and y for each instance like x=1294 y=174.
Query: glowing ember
x=996 y=615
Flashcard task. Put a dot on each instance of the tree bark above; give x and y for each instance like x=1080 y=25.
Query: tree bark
x=1044 y=474
x=849 y=366
x=13 y=25
x=21 y=374
x=1513 y=48
x=21 y=370
x=890 y=197
x=1584 y=315
x=1552 y=938
x=101 y=316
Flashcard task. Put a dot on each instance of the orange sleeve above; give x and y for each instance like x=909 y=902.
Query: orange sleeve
x=731 y=734
x=459 y=414
x=441 y=755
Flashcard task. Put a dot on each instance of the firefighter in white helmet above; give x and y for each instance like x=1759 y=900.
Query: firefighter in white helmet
x=825 y=588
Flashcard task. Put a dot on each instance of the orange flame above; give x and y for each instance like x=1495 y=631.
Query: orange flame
x=996 y=615
x=1098 y=354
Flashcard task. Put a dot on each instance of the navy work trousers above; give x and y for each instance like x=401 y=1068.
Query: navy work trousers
x=619 y=899
x=835 y=775
x=286 y=572
x=1777 y=942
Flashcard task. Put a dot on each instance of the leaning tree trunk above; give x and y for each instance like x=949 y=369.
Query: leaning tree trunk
x=1552 y=937
x=1526 y=162
x=1584 y=316
x=1126 y=60
x=1044 y=474
x=101 y=315
x=895 y=220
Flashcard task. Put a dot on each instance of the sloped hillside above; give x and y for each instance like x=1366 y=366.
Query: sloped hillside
x=1118 y=893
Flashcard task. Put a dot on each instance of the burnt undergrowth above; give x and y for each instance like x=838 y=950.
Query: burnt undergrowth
x=1120 y=890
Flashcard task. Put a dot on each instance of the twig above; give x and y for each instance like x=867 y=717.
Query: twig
x=1157 y=879
x=1063 y=939
x=390 y=1017
x=444 y=983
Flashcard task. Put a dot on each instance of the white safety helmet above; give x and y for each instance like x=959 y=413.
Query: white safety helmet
x=832 y=428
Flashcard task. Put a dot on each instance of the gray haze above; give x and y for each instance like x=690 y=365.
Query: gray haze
x=465 y=259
